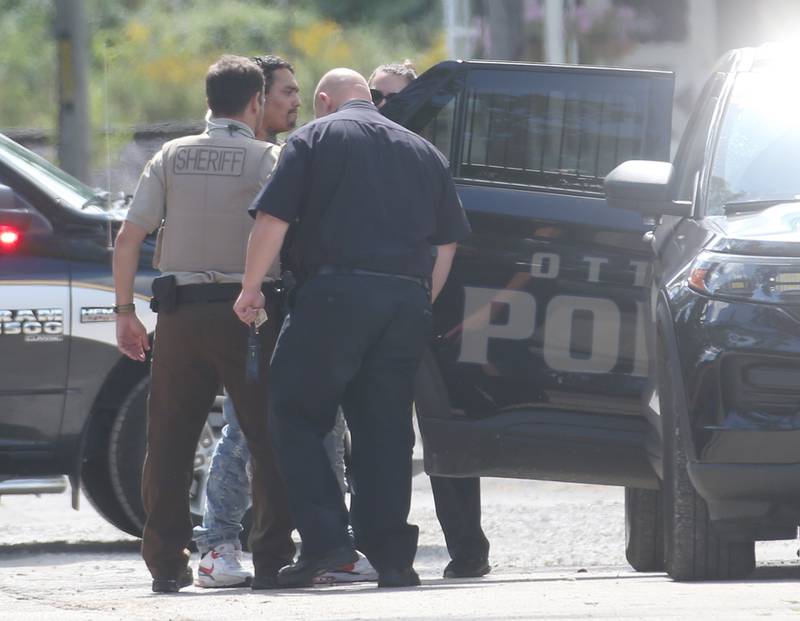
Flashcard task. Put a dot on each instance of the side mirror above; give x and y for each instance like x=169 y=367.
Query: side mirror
x=6 y=198
x=13 y=220
x=644 y=186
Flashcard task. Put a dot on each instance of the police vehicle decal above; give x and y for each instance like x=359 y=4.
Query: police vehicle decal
x=514 y=314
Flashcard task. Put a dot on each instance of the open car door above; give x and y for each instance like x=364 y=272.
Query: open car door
x=539 y=355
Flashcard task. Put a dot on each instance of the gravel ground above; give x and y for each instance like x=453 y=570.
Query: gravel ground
x=557 y=552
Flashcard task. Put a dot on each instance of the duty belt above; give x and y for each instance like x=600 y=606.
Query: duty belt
x=425 y=283
x=167 y=295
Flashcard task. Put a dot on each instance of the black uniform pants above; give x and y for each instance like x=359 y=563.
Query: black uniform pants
x=197 y=347
x=458 y=507
x=355 y=340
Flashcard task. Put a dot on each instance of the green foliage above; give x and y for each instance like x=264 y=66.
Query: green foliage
x=27 y=64
x=149 y=57
x=423 y=16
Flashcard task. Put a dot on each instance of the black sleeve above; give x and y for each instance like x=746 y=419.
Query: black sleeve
x=451 y=221
x=284 y=193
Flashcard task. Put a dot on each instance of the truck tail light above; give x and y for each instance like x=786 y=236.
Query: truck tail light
x=9 y=237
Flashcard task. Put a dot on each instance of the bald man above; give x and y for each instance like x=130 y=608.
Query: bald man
x=377 y=221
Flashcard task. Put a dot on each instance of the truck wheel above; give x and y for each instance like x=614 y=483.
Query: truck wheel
x=644 y=529
x=126 y=458
x=126 y=452
x=693 y=551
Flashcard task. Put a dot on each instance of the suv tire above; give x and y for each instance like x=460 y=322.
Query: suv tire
x=693 y=551
x=644 y=529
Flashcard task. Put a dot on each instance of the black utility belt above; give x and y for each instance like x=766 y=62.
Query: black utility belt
x=425 y=283
x=168 y=294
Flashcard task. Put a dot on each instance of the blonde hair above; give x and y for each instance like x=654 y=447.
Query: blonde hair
x=405 y=69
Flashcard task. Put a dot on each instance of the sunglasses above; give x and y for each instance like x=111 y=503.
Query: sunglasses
x=378 y=96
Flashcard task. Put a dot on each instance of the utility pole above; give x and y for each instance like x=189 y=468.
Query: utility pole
x=73 y=92
x=554 y=47
x=505 y=29
x=458 y=32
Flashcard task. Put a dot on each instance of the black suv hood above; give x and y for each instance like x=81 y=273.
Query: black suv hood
x=772 y=232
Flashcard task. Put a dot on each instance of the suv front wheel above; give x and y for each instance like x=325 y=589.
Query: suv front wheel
x=693 y=551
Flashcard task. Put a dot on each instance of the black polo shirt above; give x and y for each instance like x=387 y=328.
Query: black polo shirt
x=364 y=192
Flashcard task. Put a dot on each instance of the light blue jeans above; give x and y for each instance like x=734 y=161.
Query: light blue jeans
x=228 y=485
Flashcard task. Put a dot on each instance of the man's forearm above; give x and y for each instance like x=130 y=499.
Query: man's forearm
x=125 y=265
x=441 y=268
x=263 y=248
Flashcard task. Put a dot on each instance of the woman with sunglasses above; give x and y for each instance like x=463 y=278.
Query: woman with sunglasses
x=458 y=501
x=388 y=80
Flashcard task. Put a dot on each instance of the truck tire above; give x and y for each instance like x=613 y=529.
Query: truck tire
x=693 y=551
x=644 y=529
x=126 y=454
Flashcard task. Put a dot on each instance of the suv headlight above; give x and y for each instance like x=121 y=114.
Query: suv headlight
x=768 y=280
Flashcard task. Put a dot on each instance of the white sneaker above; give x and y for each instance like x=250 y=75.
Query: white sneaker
x=222 y=567
x=360 y=571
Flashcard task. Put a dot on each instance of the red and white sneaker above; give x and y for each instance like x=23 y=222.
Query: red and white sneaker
x=360 y=571
x=222 y=567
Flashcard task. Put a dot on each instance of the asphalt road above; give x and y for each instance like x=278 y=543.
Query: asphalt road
x=557 y=553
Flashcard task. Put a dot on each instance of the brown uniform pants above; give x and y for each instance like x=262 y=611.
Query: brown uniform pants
x=197 y=348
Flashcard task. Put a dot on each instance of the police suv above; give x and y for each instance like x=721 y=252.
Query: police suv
x=650 y=341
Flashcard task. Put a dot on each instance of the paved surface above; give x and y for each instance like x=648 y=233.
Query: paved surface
x=557 y=553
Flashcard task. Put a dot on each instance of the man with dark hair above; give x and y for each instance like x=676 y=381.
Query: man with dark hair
x=230 y=84
x=377 y=219
x=228 y=485
x=282 y=98
x=196 y=190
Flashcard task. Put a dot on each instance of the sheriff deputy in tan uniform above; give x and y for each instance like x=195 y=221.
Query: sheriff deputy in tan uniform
x=199 y=188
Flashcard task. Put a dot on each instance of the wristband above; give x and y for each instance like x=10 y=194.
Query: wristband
x=122 y=309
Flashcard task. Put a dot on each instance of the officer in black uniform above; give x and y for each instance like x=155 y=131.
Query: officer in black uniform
x=377 y=219
x=457 y=500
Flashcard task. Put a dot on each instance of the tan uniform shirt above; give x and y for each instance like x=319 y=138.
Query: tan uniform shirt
x=201 y=187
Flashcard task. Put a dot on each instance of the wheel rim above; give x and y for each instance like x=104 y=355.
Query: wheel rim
x=200 y=469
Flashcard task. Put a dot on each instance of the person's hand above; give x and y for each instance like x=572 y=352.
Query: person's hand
x=132 y=337
x=248 y=304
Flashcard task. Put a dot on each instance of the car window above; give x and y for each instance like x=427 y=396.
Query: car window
x=439 y=130
x=692 y=152
x=20 y=202
x=556 y=129
x=71 y=192
x=758 y=148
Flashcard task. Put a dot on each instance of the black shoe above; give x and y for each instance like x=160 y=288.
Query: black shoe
x=302 y=572
x=472 y=568
x=173 y=585
x=262 y=582
x=396 y=578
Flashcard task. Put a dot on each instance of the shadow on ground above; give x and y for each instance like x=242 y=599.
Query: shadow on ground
x=17 y=550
